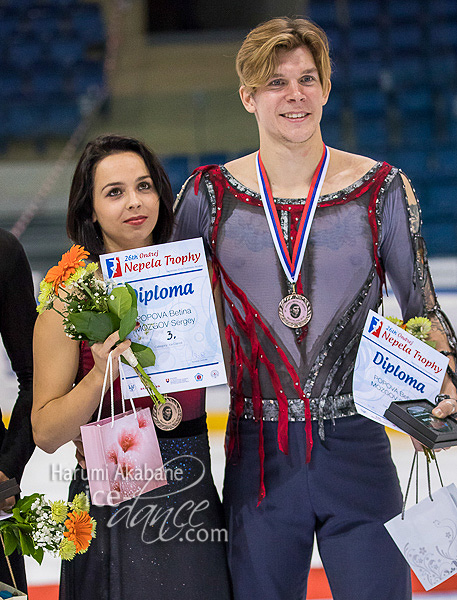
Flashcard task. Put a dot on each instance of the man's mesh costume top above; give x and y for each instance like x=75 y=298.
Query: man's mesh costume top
x=359 y=235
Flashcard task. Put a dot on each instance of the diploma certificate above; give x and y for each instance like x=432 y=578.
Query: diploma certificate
x=176 y=314
x=393 y=365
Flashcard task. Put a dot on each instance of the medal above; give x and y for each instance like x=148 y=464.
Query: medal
x=168 y=415
x=294 y=310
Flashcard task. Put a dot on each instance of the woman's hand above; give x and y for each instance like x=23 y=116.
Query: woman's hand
x=79 y=455
x=101 y=351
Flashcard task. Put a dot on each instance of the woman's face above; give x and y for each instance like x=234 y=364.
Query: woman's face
x=125 y=201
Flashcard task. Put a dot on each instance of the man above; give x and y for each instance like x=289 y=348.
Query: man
x=17 y=318
x=300 y=460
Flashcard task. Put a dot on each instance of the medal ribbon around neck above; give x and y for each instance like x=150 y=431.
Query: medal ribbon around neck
x=292 y=265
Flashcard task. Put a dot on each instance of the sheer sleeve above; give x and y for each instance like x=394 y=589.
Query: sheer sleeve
x=404 y=256
x=193 y=214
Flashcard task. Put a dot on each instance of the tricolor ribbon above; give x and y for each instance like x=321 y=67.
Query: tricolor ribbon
x=292 y=265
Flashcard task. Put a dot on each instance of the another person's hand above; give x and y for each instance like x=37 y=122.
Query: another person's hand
x=447 y=407
x=8 y=503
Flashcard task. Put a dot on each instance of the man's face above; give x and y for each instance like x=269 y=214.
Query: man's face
x=288 y=108
x=295 y=310
x=167 y=413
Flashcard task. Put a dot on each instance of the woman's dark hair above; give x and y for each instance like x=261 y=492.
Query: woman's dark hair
x=80 y=226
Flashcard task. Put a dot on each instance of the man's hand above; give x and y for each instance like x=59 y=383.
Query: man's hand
x=8 y=503
x=447 y=406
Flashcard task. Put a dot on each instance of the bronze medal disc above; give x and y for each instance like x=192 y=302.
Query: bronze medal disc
x=168 y=415
x=295 y=311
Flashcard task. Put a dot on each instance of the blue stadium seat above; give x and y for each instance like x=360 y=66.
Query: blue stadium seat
x=66 y=50
x=415 y=163
x=178 y=170
x=405 y=10
x=334 y=107
x=364 y=11
x=11 y=83
x=406 y=70
x=332 y=132
x=47 y=79
x=87 y=75
x=371 y=134
x=365 y=72
x=45 y=24
x=365 y=39
x=25 y=120
x=415 y=101
x=417 y=132
x=335 y=40
x=444 y=35
x=19 y=5
x=406 y=37
x=25 y=51
x=64 y=3
x=369 y=102
x=446 y=164
x=442 y=196
x=443 y=9
x=9 y=23
x=324 y=13
x=212 y=158
x=61 y=117
x=440 y=238
x=443 y=68
x=87 y=22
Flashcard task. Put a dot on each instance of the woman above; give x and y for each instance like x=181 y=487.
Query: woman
x=121 y=199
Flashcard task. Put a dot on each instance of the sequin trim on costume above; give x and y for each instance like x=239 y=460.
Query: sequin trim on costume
x=335 y=407
x=325 y=198
x=314 y=371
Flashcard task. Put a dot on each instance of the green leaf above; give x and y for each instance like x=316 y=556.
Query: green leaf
x=38 y=554
x=27 y=545
x=119 y=301
x=128 y=322
x=25 y=503
x=17 y=515
x=144 y=354
x=10 y=540
x=132 y=293
x=96 y=326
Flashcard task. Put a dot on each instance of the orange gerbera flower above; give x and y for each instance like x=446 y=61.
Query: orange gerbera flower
x=68 y=264
x=79 y=527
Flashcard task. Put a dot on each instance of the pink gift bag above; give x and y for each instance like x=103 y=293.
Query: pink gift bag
x=122 y=453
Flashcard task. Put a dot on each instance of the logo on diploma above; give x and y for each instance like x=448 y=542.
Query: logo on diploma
x=375 y=327
x=113 y=266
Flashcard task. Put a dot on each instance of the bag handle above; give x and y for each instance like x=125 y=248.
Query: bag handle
x=109 y=369
x=429 y=456
x=124 y=380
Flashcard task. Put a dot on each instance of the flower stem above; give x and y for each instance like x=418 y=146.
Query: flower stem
x=153 y=392
x=88 y=290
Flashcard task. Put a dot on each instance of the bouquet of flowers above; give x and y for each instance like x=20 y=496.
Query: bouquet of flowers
x=62 y=528
x=92 y=311
x=419 y=327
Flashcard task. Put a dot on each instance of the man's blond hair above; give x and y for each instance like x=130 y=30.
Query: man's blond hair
x=257 y=58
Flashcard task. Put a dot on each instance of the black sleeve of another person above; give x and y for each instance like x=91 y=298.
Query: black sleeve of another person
x=17 y=318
